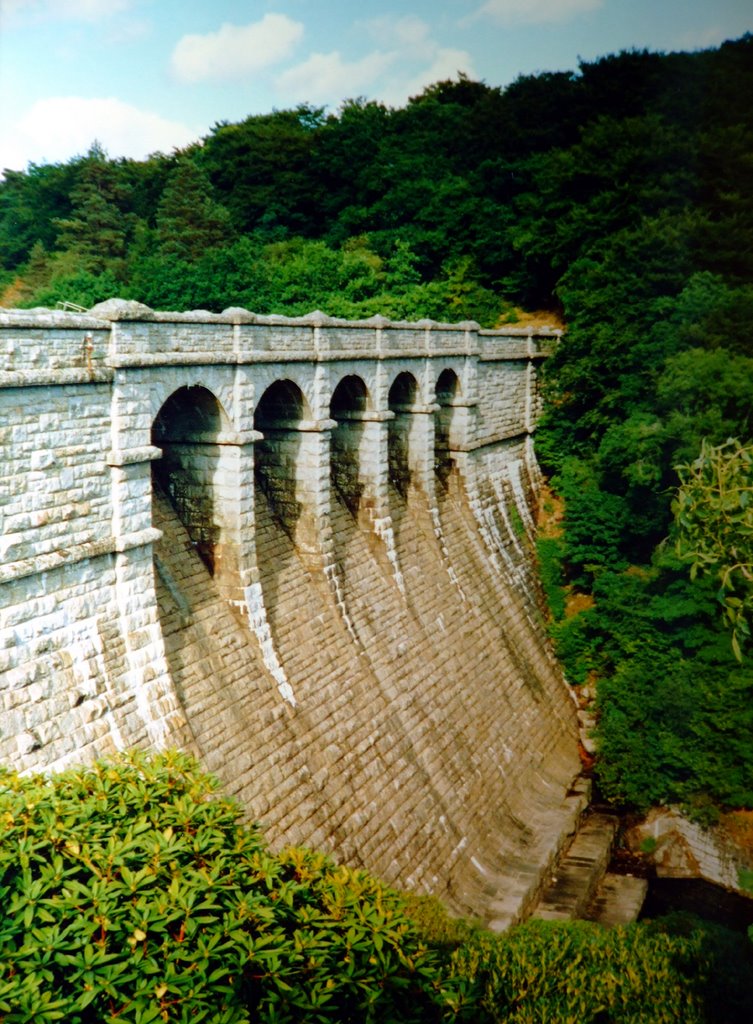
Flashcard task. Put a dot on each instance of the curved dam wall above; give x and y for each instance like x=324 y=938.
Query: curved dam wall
x=299 y=549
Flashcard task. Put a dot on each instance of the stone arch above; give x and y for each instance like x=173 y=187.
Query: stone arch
x=368 y=371
x=218 y=380
x=348 y=407
x=448 y=386
x=297 y=378
x=401 y=402
x=447 y=393
x=188 y=428
x=282 y=400
x=280 y=415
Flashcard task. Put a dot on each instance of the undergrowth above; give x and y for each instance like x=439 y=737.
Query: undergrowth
x=131 y=892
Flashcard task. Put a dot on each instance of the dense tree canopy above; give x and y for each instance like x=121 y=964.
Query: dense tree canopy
x=619 y=197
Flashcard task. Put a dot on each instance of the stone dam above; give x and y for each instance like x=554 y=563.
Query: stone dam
x=299 y=549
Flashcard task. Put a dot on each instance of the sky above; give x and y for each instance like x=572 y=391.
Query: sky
x=146 y=76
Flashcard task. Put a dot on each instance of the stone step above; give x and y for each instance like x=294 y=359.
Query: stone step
x=579 y=871
x=517 y=890
x=618 y=900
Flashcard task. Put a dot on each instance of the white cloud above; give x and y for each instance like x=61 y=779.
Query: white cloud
x=408 y=31
x=56 y=129
x=63 y=10
x=536 y=11
x=327 y=78
x=407 y=59
x=89 y=10
x=128 y=31
x=235 y=51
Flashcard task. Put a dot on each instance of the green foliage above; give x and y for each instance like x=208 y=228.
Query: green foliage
x=98 y=227
x=130 y=892
x=296 y=275
x=30 y=203
x=714 y=518
x=577 y=649
x=550 y=555
x=554 y=973
x=656 y=358
x=353 y=953
x=121 y=888
x=709 y=313
x=189 y=220
x=725 y=962
x=675 y=710
x=594 y=523
x=260 y=170
x=677 y=729
x=703 y=394
x=81 y=287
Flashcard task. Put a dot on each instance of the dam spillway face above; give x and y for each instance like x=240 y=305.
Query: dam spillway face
x=299 y=549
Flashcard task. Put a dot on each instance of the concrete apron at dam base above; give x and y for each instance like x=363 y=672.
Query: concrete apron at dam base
x=300 y=549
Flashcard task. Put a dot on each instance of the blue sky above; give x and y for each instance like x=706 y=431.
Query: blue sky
x=143 y=76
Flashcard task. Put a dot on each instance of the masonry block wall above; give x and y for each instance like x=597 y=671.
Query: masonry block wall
x=299 y=549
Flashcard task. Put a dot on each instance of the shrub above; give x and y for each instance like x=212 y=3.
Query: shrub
x=131 y=893
x=123 y=893
x=549 y=551
x=350 y=952
x=594 y=523
x=546 y=972
x=83 y=287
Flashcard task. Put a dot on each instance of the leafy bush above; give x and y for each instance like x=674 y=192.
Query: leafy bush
x=546 y=972
x=348 y=951
x=130 y=893
x=123 y=894
x=714 y=518
x=83 y=287
x=594 y=523
x=573 y=640
x=675 y=716
x=676 y=730
x=549 y=553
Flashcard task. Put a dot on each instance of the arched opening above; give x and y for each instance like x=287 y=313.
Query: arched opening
x=278 y=417
x=448 y=387
x=350 y=401
x=402 y=398
x=187 y=428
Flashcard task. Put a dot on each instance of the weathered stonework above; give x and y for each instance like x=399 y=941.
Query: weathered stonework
x=299 y=549
x=678 y=848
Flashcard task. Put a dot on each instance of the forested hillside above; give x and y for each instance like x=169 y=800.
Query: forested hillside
x=619 y=198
